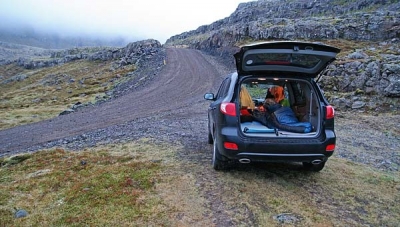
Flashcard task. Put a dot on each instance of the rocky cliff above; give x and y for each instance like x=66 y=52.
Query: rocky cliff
x=39 y=58
x=367 y=31
x=303 y=19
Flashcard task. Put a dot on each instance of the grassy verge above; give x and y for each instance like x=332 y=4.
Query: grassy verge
x=103 y=186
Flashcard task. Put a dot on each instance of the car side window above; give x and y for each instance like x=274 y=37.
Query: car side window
x=223 y=89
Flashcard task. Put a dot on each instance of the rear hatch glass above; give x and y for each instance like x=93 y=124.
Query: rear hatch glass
x=308 y=59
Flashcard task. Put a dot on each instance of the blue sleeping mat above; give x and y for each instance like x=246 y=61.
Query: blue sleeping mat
x=256 y=127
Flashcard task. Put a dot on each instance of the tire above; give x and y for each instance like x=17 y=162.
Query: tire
x=313 y=167
x=217 y=160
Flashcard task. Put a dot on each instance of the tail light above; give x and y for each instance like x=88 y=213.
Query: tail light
x=231 y=146
x=330 y=112
x=330 y=147
x=228 y=108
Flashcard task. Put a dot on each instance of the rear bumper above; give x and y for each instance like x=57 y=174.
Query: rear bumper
x=276 y=149
x=257 y=157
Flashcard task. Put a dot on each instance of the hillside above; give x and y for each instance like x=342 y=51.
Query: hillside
x=362 y=20
x=366 y=75
x=34 y=79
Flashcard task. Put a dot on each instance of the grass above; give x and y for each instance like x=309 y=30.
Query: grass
x=143 y=184
x=48 y=91
x=103 y=186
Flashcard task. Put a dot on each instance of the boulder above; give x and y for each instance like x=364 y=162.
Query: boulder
x=358 y=105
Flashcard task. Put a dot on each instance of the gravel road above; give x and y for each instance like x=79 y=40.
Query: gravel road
x=169 y=98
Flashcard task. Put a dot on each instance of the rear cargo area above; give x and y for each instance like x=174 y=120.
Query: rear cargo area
x=273 y=107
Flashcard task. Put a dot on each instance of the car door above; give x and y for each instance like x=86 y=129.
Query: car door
x=214 y=108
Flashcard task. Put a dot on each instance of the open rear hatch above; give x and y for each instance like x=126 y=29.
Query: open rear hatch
x=297 y=58
x=287 y=65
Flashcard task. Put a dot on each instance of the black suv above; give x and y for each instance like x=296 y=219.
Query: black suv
x=271 y=109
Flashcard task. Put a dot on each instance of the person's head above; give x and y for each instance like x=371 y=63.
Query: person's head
x=278 y=93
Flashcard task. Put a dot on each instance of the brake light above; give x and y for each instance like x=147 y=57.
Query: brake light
x=228 y=108
x=330 y=147
x=230 y=146
x=330 y=112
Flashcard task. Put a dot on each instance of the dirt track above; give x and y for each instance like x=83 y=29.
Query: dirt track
x=181 y=83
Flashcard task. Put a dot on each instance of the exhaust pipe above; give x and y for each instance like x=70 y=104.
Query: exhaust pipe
x=316 y=162
x=244 y=160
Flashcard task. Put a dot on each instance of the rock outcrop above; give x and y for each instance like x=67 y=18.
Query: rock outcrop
x=373 y=69
x=366 y=74
x=374 y=20
x=130 y=54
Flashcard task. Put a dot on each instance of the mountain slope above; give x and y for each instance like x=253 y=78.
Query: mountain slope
x=301 y=19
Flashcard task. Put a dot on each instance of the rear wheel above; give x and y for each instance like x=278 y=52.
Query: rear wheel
x=217 y=160
x=313 y=167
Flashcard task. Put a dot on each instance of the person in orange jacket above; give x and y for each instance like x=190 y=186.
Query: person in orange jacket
x=277 y=93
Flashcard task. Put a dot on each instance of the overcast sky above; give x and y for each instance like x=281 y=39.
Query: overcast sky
x=143 y=19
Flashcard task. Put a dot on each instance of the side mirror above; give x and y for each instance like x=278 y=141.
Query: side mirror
x=209 y=96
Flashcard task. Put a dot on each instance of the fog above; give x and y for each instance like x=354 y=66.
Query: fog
x=130 y=19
